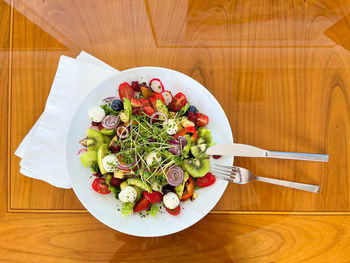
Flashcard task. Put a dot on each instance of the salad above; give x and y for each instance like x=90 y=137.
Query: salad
x=147 y=147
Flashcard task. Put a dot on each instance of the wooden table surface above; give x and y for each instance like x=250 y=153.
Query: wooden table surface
x=280 y=70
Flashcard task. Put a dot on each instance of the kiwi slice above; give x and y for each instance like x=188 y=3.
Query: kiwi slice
x=108 y=132
x=198 y=151
x=102 y=152
x=197 y=167
x=88 y=158
x=204 y=136
x=94 y=140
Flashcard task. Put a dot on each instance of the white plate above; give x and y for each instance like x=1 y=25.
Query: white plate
x=105 y=207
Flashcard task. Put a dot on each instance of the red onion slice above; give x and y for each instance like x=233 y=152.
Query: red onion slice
x=110 y=122
x=158 y=113
x=124 y=166
x=173 y=141
x=110 y=99
x=81 y=151
x=122 y=132
x=175 y=149
x=175 y=175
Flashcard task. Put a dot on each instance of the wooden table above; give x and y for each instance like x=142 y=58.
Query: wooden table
x=281 y=71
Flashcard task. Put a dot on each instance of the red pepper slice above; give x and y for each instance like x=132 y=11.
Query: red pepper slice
x=188 y=191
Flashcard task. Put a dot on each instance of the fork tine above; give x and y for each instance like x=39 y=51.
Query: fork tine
x=227 y=166
x=225 y=171
x=226 y=178
x=231 y=176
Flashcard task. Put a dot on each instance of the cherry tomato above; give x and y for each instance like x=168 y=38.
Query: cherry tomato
x=126 y=91
x=191 y=130
x=148 y=110
x=178 y=102
x=174 y=211
x=153 y=197
x=188 y=191
x=115 y=182
x=100 y=186
x=141 y=205
x=206 y=180
x=201 y=119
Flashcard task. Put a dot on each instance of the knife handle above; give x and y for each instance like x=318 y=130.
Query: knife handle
x=298 y=156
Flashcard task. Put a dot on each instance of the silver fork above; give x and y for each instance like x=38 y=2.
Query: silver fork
x=239 y=175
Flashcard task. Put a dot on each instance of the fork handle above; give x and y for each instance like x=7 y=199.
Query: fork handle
x=299 y=186
x=298 y=156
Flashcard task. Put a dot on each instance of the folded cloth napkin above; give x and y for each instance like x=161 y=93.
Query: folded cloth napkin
x=42 y=149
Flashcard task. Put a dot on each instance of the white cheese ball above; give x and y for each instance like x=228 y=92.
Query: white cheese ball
x=97 y=114
x=109 y=162
x=171 y=200
x=170 y=126
x=128 y=194
x=151 y=157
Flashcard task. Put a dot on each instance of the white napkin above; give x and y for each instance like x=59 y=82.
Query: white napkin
x=42 y=150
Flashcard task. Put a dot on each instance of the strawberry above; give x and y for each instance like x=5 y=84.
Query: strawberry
x=201 y=119
x=178 y=102
x=136 y=103
x=148 y=110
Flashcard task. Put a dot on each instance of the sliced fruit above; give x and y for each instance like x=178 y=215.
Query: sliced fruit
x=100 y=186
x=127 y=107
x=94 y=140
x=123 y=184
x=198 y=151
x=162 y=108
x=153 y=197
x=153 y=100
x=201 y=119
x=108 y=132
x=204 y=136
x=197 y=167
x=146 y=91
x=156 y=85
x=138 y=182
x=84 y=142
x=136 y=103
x=178 y=102
x=126 y=91
x=102 y=152
x=206 y=180
x=88 y=158
x=141 y=205
x=189 y=130
x=179 y=189
x=148 y=110
x=145 y=102
x=106 y=139
x=167 y=97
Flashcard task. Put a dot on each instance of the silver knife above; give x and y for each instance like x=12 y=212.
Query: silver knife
x=244 y=150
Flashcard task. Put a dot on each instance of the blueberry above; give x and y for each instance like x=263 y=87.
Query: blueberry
x=117 y=105
x=192 y=109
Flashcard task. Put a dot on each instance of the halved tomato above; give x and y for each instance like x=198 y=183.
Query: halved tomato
x=153 y=197
x=206 y=180
x=100 y=186
x=126 y=91
x=141 y=205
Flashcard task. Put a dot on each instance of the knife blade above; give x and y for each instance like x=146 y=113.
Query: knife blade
x=236 y=149
x=244 y=150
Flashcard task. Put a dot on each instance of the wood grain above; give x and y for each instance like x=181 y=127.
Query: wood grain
x=280 y=72
x=239 y=238
x=5 y=15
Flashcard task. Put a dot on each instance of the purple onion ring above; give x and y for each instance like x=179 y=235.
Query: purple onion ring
x=175 y=175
